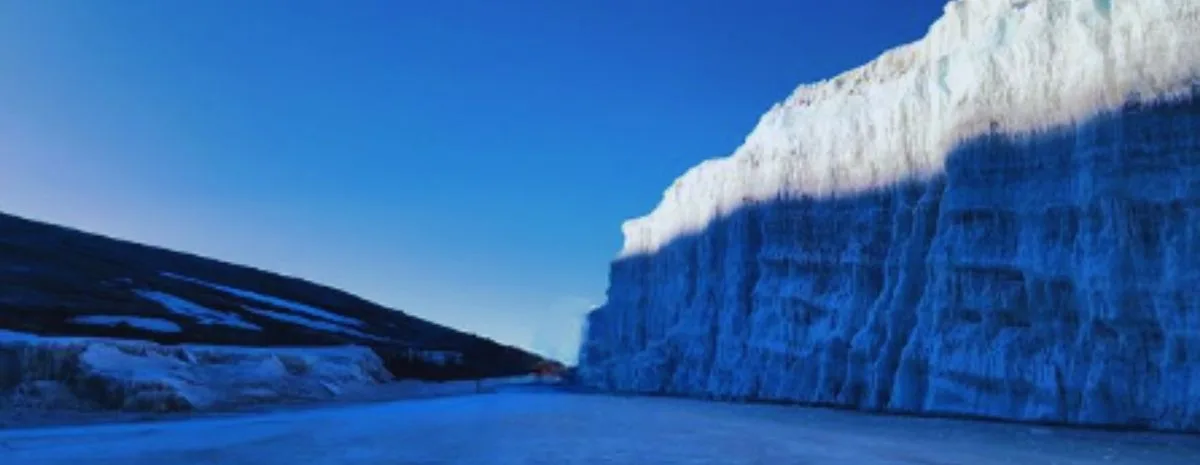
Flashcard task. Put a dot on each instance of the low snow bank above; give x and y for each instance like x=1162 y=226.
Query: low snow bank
x=106 y=374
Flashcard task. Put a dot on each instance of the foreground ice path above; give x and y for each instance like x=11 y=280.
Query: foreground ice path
x=549 y=428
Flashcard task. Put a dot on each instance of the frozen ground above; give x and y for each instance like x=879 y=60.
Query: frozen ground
x=525 y=426
x=16 y=416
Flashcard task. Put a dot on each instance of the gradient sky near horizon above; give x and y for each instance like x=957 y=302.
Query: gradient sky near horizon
x=467 y=161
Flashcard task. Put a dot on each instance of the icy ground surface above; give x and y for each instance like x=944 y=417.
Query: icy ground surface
x=529 y=427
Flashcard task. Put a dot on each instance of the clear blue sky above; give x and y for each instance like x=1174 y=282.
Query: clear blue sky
x=467 y=161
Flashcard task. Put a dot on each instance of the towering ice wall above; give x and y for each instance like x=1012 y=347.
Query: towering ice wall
x=1001 y=219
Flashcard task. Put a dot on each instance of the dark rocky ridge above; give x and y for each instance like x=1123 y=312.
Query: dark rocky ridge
x=1049 y=277
x=50 y=275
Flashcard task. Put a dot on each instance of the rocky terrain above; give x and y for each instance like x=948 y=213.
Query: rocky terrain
x=88 y=322
x=1001 y=220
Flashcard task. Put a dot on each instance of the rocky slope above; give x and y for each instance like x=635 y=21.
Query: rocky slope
x=101 y=315
x=999 y=220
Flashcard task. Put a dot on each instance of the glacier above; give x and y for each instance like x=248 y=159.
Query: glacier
x=999 y=220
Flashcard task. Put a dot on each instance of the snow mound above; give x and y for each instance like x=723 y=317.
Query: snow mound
x=142 y=376
x=985 y=65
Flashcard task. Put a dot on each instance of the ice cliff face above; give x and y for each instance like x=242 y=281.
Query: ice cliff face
x=1002 y=220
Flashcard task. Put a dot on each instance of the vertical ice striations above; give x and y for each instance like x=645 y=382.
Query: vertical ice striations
x=1010 y=65
x=1002 y=219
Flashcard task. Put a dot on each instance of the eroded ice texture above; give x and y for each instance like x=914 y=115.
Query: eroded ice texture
x=985 y=65
x=1049 y=275
x=1053 y=278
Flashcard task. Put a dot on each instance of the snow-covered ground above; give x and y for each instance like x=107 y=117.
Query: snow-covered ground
x=530 y=427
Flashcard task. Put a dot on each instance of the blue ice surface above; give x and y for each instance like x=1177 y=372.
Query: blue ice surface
x=531 y=427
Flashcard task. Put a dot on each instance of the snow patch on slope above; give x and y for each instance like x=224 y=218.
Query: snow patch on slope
x=985 y=65
x=146 y=323
x=269 y=300
x=200 y=313
x=313 y=324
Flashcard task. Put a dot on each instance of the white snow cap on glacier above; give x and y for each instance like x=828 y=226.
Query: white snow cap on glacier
x=1021 y=65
